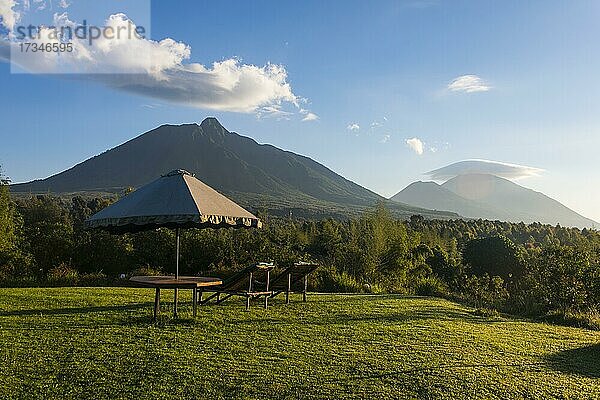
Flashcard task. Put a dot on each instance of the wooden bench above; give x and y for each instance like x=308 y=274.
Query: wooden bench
x=293 y=279
x=252 y=282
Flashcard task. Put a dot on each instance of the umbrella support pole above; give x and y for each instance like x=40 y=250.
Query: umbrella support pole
x=176 y=273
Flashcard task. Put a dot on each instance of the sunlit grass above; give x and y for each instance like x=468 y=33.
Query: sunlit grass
x=101 y=343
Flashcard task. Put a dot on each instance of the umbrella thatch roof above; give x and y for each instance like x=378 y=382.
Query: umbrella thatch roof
x=175 y=200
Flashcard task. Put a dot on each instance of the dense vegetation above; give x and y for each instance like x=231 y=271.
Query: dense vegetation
x=100 y=343
x=535 y=269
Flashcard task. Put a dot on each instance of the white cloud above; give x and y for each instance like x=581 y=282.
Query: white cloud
x=353 y=127
x=8 y=15
x=64 y=4
x=160 y=70
x=151 y=106
x=385 y=139
x=376 y=127
x=478 y=166
x=273 y=111
x=468 y=84
x=416 y=145
x=227 y=86
x=309 y=116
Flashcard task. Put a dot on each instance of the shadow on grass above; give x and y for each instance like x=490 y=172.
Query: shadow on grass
x=349 y=317
x=75 y=310
x=584 y=361
x=444 y=368
x=120 y=317
x=163 y=320
x=342 y=316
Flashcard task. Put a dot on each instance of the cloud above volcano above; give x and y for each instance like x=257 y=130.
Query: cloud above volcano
x=478 y=166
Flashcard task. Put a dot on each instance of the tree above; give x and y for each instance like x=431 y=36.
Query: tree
x=564 y=279
x=7 y=217
x=443 y=265
x=495 y=256
x=48 y=231
x=13 y=261
x=4 y=180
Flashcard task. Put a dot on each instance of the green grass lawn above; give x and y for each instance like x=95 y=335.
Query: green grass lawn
x=101 y=343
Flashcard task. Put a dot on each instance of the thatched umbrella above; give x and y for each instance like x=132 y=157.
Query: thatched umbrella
x=175 y=200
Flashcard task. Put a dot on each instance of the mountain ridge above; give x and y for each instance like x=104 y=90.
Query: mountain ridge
x=209 y=130
x=433 y=196
x=491 y=197
x=227 y=161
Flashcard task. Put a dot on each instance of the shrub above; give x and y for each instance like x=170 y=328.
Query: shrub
x=589 y=319
x=63 y=275
x=431 y=286
x=484 y=291
x=94 y=279
x=7 y=280
x=146 y=270
x=486 y=312
x=329 y=280
x=375 y=288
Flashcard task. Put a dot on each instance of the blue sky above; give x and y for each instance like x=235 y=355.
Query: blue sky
x=384 y=66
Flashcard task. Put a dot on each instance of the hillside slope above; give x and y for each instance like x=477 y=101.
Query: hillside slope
x=100 y=343
x=233 y=164
x=490 y=197
x=520 y=203
x=224 y=160
x=433 y=196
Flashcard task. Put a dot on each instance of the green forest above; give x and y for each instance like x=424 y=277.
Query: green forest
x=547 y=272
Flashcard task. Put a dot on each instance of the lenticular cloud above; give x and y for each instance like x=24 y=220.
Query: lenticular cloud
x=501 y=169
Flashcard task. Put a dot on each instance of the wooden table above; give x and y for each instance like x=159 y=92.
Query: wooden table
x=169 y=282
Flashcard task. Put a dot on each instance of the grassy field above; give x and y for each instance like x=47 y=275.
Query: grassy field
x=74 y=343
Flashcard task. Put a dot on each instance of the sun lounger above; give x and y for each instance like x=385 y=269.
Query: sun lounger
x=252 y=282
x=293 y=279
